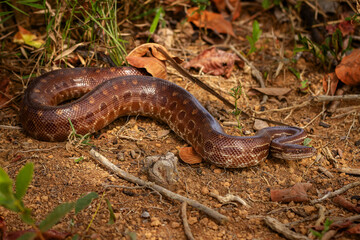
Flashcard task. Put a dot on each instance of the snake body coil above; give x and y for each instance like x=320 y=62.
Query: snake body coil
x=108 y=93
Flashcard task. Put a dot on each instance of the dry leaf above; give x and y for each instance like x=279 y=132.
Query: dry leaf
x=26 y=37
x=333 y=83
x=214 y=61
x=148 y=57
x=210 y=20
x=270 y=91
x=234 y=6
x=340 y=200
x=188 y=155
x=296 y=193
x=348 y=71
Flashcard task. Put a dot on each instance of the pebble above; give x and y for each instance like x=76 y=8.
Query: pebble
x=213 y=225
x=204 y=190
x=133 y=154
x=120 y=156
x=162 y=133
x=155 y=222
x=192 y=220
x=145 y=214
x=260 y=124
x=44 y=198
x=309 y=209
x=217 y=170
x=175 y=225
x=226 y=184
x=290 y=214
x=148 y=234
x=214 y=191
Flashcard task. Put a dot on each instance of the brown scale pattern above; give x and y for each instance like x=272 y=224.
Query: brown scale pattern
x=108 y=93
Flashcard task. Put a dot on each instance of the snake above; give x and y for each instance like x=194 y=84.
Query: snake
x=104 y=94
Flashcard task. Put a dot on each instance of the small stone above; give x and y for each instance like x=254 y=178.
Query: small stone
x=204 y=221
x=162 y=133
x=226 y=184
x=290 y=214
x=112 y=178
x=157 y=145
x=51 y=156
x=120 y=156
x=192 y=220
x=260 y=124
x=133 y=154
x=145 y=214
x=155 y=222
x=214 y=191
x=148 y=235
x=44 y=198
x=309 y=209
x=204 y=190
x=30 y=140
x=175 y=224
x=217 y=170
x=213 y=225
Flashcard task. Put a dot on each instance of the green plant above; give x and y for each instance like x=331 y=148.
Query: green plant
x=267 y=3
x=332 y=46
x=236 y=92
x=304 y=83
x=254 y=38
x=78 y=139
x=319 y=235
x=38 y=4
x=14 y=202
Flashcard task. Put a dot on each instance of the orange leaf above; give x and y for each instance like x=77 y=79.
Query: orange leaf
x=206 y=19
x=148 y=57
x=333 y=83
x=188 y=155
x=348 y=71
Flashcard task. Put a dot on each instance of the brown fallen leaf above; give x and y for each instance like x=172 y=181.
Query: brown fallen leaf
x=348 y=72
x=214 y=61
x=210 y=20
x=148 y=57
x=188 y=155
x=296 y=193
x=269 y=91
x=234 y=6
x=340 y=200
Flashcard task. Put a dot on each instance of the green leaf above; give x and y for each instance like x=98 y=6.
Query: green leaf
x=83 y=202
x=307 y=142
x=23 y=180
x=53 y=217
x=26 y=216
x=112 y=217
x=155 y=22
x=295 y=72
x=265 y=4
x=27 y=236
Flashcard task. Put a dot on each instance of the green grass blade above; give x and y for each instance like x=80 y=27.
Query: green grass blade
x=53 y=217
x=112 y=217
x=83 y=202
x=23 y=180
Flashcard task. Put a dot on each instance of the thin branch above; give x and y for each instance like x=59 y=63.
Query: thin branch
x=185 y=222
x=281 y=228
x=336 y=192
x=125 y=175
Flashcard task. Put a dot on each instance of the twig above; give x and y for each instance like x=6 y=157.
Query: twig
x=336 y=192
x=125 y=175
x=229 y=198
x=10 y=127
x=185 y=222
x=281 y=228
x=325 y=98
x=194 y=79
x=255 y=72
x=354 y=171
